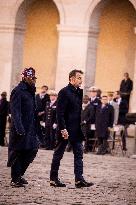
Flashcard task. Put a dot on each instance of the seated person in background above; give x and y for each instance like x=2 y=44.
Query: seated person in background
x=86 y=116
x=104 y=121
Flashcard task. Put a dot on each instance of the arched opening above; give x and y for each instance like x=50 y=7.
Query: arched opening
x=35 y=40
x=111 y=44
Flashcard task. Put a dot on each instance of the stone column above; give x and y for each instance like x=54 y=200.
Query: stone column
x=72 y=50
x=11 y=43
x=133 y=97
x=91 y=57
x=6 y=51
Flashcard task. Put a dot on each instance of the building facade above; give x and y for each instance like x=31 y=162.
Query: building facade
x=56 y=36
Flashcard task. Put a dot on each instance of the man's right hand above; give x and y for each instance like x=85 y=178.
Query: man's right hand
x=64 y=134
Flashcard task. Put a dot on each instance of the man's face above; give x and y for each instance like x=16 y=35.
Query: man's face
x=85 y=100
x=93 y=93
x=116 y=95
x=110 y=98
x=104 y=100
x=30 y=80
x=126 y=75
x=44 y=90
x=77 y=80
x=53 y=97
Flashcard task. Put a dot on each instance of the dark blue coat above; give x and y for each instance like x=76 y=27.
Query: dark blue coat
x=69 y=105
x=23 y=118
x=104 y=119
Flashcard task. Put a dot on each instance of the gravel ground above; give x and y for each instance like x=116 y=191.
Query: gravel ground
x=114 y=180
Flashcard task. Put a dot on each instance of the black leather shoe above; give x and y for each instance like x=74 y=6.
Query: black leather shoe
x=16 y=184
x=23 y=181
x=57 y=183
x=83 y=183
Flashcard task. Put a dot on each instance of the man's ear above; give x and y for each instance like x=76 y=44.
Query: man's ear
x=72 y=78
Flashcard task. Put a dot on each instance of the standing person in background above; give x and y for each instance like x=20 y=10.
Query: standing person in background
x=50 y=121
x=126 y=87
x=104 y=121
x=4 y=108
x=41 y=99
x=69 y=105
x=94 y=102
x=23 y=143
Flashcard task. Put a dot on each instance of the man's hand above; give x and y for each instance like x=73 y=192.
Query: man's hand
x=64 y=134
x=40 y=113
x=54 y=126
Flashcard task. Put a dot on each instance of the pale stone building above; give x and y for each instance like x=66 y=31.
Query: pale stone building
x=55 y=36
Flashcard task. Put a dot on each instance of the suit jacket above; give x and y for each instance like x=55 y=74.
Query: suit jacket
x=4 y=108
x=86 y=117
x=41 y=103
x=50 y=114
x=126 y=86
x=69 y=105
x=123 y=110
x=94 y=103
x=87 y=114
x=116 y=111
x=104 y=119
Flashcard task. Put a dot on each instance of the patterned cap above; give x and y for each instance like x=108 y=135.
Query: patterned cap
x=28 y=72
x=93 y=89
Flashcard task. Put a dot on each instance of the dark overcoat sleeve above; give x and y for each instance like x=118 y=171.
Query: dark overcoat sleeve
x=61 y=109
x=15 y=107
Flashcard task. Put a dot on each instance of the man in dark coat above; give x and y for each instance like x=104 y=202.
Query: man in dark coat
x=94 y=102
x=4 y=107
x=126 y=87
x=50 y=121
x=69 y=105
x=87 y=114
x=23 y=143
x=104 y=121
x=41 y=99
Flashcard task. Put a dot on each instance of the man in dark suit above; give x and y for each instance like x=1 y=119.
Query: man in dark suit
x=126 y=87
x=4 y=108
x=50 y=121
x=69 y=105
x=104 y=121
x=23 y=143
x=41 y=99
x=94 y=102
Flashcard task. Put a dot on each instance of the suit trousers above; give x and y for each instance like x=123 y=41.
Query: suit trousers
x=58 y=155
x=20 y=162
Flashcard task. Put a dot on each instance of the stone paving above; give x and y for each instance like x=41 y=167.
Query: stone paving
x=114 y=178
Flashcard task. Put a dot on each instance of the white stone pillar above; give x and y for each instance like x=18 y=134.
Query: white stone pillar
x=133 y=97
x=91 y=57
x=72 y=50
x=6 y=52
